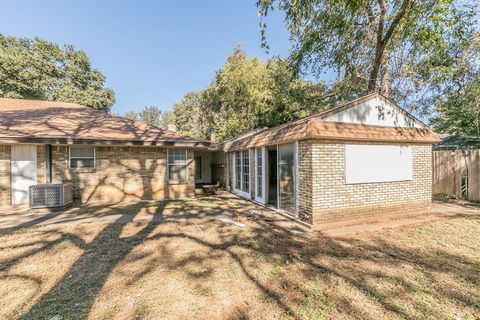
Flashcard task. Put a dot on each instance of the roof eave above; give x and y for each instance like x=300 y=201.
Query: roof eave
x=70 y=141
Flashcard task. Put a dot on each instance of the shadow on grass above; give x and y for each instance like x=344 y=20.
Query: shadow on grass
x=319 y=260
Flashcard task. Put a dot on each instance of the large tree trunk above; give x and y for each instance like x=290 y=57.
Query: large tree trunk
x=372 y=79
x=383 y=40
x=385 y=80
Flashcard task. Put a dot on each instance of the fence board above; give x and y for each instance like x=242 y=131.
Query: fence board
x=449 y=166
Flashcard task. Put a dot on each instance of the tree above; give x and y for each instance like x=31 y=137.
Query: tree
x=247 y=93
x=38 y=69
x=151 y=115
x=459 y=114
x=398 y=47
x=458 y=109
x=189 y=116
x=132 y=115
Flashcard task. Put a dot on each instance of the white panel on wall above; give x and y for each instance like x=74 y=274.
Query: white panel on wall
x=377 y=163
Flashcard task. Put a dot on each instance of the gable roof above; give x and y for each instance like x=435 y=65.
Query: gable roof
x=374 y=95
x=33 y=121
x=314 y=127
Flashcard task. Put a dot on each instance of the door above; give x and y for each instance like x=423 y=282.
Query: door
x=24 y=171
x=286 y=177
x=272 y=190
x=198 y=169
x=260 y=175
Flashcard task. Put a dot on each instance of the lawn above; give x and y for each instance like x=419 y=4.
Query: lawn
x=199 y=268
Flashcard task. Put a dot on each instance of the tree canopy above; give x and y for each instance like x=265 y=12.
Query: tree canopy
x=38 y=69
x=458 y=109
x=151 y=115
x=405 y=49
x=247 y=93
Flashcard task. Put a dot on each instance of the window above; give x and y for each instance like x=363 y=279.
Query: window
x=177 y=165
x=231 y=169
x=259 y=173
x=238 y=170
x=242 y=170
x=82 y=157
x=246 y=171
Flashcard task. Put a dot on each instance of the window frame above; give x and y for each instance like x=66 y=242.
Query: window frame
x=246 y=173
x=238 y=173
x=176 y=164
x=259 y=172
x=242 y=186
x=88 y=158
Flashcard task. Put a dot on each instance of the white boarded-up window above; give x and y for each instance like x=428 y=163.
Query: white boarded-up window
x=377 y=163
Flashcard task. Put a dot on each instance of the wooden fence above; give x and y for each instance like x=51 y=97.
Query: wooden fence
x=457 y=172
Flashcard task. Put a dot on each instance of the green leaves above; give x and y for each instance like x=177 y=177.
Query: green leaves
x=38 y=69
x=405 y=49
x=245 y=94
x=151 y=115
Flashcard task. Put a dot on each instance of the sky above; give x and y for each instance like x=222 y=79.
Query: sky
x=151 y=52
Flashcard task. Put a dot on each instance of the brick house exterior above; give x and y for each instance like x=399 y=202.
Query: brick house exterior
x=320 y=169
x=130 y=159
x=322 y=192
x=332 y=199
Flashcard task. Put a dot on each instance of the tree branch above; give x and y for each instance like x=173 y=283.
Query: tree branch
x=382 y=40
x=396 y=20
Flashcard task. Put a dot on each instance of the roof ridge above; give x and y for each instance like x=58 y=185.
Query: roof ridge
x=93 y=123
x=45 y=101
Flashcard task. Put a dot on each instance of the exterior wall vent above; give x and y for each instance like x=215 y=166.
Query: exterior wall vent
x=51 y=195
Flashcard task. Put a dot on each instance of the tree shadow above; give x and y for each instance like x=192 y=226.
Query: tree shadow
x=80 y=286
x=369 y=267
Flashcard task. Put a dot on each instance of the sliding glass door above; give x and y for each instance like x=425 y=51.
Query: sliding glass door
x=286 y=177
x=260 y=175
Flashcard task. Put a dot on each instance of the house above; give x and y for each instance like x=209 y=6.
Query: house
x=107 y=158
x=366 y=158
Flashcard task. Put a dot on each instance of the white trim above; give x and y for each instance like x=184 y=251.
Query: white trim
x=82 y=147
x=241 y=193
x=278 y=179
x=260 y=199
x=295 y=179
x=295 y=170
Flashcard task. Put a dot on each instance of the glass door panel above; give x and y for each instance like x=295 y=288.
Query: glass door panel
x=286 y=177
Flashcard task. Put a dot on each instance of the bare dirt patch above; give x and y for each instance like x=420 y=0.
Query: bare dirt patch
x=198 y=268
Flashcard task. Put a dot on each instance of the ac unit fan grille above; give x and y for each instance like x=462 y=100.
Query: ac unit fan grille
x=50 y=195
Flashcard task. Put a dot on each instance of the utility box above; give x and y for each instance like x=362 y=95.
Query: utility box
x=51 y=195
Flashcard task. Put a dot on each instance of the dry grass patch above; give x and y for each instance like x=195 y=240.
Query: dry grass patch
x=172 y=270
